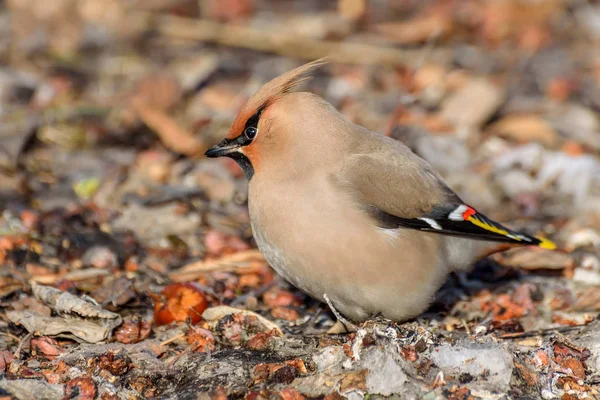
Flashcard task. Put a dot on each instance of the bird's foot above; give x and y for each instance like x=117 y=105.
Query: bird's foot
x=347 y=325
x=379 y=322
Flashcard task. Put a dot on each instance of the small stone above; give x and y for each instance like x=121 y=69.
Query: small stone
x=100 y=257
x=578 y=123
x=154 y=164
x=330 y=359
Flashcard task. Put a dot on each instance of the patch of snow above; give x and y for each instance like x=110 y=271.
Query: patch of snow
x=385 y=376
x=475 y=359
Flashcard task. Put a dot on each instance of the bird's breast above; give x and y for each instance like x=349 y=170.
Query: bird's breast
x=321 y=242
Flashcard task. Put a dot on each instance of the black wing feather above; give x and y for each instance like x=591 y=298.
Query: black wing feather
x=438 y=221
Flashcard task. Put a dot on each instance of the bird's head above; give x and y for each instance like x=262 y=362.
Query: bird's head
x=265 y=121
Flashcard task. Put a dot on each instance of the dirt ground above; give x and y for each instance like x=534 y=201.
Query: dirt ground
x=127 y=264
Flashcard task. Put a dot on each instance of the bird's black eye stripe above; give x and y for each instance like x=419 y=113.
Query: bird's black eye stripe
x=253 y=120
x=251 y=128
x=249 y=133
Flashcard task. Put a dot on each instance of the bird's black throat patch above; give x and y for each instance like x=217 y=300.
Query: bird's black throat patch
x=243 y=162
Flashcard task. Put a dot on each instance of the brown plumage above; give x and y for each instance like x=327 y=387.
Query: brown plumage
x=347 y=214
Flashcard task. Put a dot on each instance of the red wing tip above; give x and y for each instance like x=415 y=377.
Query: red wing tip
x=468 y=212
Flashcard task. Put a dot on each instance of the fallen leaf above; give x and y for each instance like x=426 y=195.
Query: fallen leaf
x=202 y=340
x=533 y=258
x=525 y=128
x=81 y=388
x=178 y=302
x=159 y=91
x=86 y=188
x=132 y=331
x=418 y=29
x=236 y=262
x=278 y=297
x=262 y=340
x=227 y=10
x=218 y=243
x=588 y=299
x=290 y=394
x=144 y=386
x=9 y=285
x=172 y=135
x=66 y=303
x=214 y=314
x=46 y=346
x=473 y=104
x=116 y=363
x=285 y=313
x=82 y=319
x=574 y=366
x=352 y=9
x=354 y=381
x=6 y=358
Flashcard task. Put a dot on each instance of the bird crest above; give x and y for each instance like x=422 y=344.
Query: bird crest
x=272 y=91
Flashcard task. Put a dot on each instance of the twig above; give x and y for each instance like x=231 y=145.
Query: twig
x=174 y=338
x=540 y=332
x=17 y=353
x=466 y=326
x=287 y=44
x=10 y=335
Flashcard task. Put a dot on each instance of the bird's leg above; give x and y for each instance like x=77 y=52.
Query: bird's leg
x=349 y=326
x=377 y=319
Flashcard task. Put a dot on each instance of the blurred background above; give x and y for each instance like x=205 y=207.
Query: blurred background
x=501 y=96
x=107 y=106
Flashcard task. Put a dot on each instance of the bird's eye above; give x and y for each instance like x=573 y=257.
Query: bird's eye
x=250 y=132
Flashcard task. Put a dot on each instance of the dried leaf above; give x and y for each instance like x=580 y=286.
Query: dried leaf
x=526 y=128
x=239 y=261
x=533 y=258
x=417 y=30
x=214 y=314
x=68 y=304
x=170 y=132
x=84 y=320
x=473 y=104
x=89 y=330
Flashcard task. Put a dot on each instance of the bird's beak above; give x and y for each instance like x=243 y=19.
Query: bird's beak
x=221 y=149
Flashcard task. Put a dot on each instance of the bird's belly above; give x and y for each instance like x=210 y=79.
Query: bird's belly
x=363 y=271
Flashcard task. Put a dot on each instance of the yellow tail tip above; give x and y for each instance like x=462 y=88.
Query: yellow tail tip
x=546 y=244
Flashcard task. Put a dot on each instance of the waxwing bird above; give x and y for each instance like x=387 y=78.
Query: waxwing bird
x=350 y=216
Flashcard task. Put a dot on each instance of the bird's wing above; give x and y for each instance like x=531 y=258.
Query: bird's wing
x=404 y=192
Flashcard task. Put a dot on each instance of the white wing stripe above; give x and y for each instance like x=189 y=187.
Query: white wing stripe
x=457 y=214
x=432 y=223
